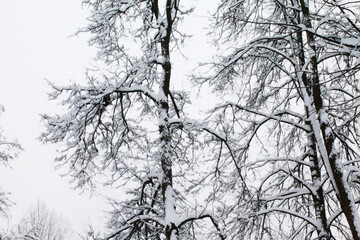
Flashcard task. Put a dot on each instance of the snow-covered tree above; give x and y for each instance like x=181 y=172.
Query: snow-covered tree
x=8 y=151
x=128 y=124
x=294 y=69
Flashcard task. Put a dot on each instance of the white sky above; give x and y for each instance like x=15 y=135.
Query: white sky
x=35 y=45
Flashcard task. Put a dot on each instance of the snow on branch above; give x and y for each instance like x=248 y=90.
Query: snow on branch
x=265 y=161
x=130 y=223
x=202 y=216
x=338 y=212
x=9 y=149
x=284 y=195
x=274 y=116
x=281 y=210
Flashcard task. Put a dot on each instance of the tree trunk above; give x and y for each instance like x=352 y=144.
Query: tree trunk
x=165 y=136
x=336 y=171
x=323 y=230
x=318 y=198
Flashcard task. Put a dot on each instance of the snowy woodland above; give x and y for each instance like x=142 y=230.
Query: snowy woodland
x=273 y=154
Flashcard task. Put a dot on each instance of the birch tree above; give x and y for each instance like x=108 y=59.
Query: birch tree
x=128 y=125
x=295 y=75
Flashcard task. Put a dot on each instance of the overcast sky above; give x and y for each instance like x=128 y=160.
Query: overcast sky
x=35 y=45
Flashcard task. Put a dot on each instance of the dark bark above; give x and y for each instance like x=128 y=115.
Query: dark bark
x=165 y=137
x=342 y=193
x=318 y=197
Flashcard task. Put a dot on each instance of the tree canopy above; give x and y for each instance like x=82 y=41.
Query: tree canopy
x=276 y=158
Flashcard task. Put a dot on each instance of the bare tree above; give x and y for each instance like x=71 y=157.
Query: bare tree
x=39 y=223
x=295 y=75
x=128 y=124
x=90 y=234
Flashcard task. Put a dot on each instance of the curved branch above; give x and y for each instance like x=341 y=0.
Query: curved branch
x=191 y=219
x=274 y=116
x=134 y=220
x=338 y=212
x=286 y=211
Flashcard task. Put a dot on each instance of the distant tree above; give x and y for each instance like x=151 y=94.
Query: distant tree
x=293 y=128
x=39 y=223
x=128 y=124
x=90 y=234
